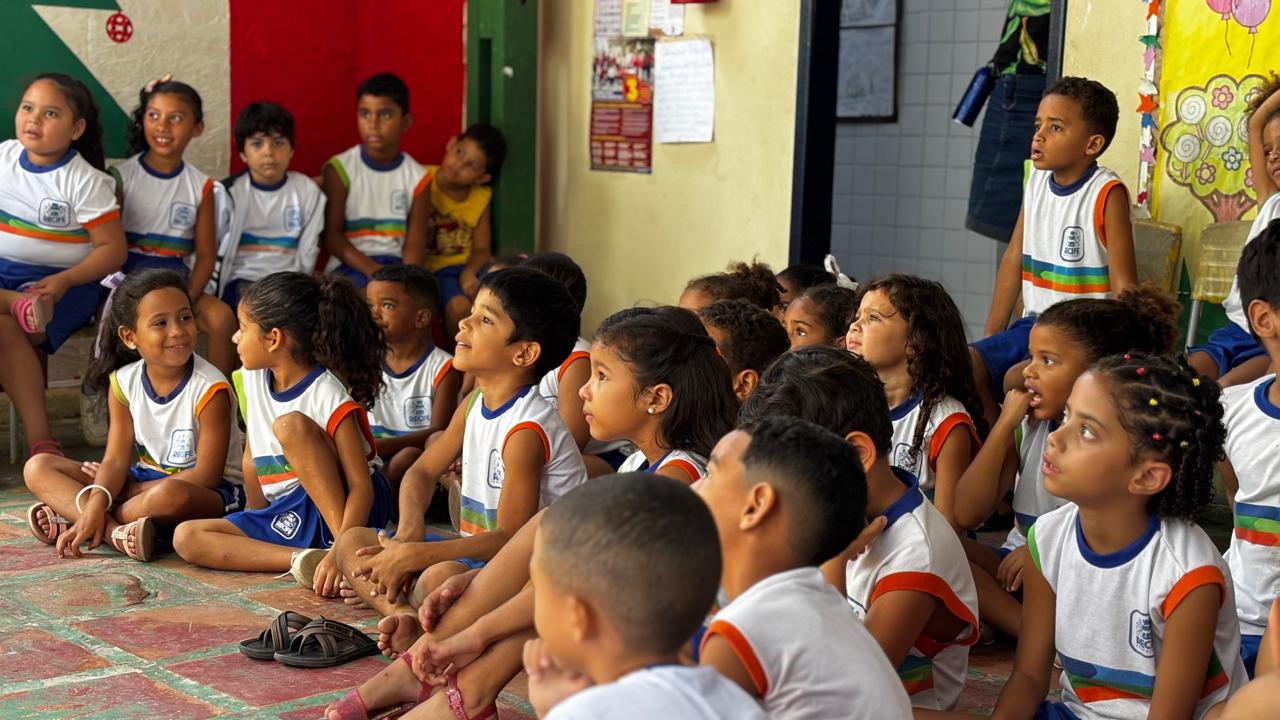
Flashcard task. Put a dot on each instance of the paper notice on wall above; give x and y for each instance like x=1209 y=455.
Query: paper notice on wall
x=608 y=18
x=666 y=17
x=684 y=92
x=621 y=136
x=635 y=18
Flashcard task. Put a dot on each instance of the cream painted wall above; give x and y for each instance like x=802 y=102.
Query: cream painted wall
x=639 y=238
x=1102 y=44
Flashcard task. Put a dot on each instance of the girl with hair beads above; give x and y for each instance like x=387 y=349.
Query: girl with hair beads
x=167 y=205
x=1065 y=340
x=820 y=316
x=59 y=235
x=310 y=462
x=755 y=283
x=911 y=332
x=167 y=402
x=1134 y=458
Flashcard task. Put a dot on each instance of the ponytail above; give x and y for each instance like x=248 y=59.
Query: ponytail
x=1142 y=317
x=123 y=312
x=89 y=144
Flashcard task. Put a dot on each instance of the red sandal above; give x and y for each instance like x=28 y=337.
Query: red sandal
x=39 y=307
x=459 y=706
x=351 y=706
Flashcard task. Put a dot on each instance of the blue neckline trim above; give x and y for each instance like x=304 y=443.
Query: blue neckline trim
x=298 y=387
x=1264 y=403
x=497 y=412
x=29 y=166
x=1124 y=554
x=142 y=160
x=412 y=368
x=1065 y=190
x=908 y=501
x=906 y=407
x=381 y=167
x=653 y=467
x=177 y=389
x=268 y=188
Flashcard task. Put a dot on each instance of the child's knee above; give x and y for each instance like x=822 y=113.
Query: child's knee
x=186 y=539
x=216 y=318
x=37 y=469
x=294 y=427
x=167 y=498
x=349 y=542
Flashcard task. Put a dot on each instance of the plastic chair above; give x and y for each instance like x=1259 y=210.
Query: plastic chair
x=1220 y=246
x=1158 y=246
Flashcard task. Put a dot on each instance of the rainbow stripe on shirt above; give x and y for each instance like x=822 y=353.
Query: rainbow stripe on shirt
x=375 y=227
x=1060 y=278
x=916 y=673
x=17 y=226
x=144 y=458
x=162 y=245
x=1258 y=524
x=273 y=469
x=1094 y=683
x=287 y=245
x=474 y=518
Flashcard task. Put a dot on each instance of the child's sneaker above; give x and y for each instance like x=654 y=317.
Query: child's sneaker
x=302 y=565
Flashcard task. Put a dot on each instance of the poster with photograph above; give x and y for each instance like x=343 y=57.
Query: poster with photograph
x=622 y=104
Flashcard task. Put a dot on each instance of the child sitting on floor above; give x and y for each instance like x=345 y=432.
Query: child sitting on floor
x=754 y=283
x=748 y=338
x=820 y=316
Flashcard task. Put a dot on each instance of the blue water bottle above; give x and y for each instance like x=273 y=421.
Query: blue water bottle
x=975 y=96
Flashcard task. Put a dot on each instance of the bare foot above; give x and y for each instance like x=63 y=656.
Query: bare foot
x=396 y=633
x=394 y=685
x=349 y=595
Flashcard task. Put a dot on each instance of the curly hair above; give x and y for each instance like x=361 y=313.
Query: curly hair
x=938 y=354
x=755 y=283
x=752 y=337
x=1097 y=104
x=1269 y=87
x=1173 y=413
x=1142 y=317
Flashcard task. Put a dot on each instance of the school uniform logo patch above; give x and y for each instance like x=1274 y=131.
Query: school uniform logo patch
x=286 y=524
x=293 y=218
x=1141 y=638
x=417 y=411
x=902 y=456
x=399 y=201
x=494 y=473
x=1072 y=249
x=54 y=213
x=182 y=216
x=182 y=448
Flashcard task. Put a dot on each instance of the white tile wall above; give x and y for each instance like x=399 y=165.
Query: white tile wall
x=901 y=189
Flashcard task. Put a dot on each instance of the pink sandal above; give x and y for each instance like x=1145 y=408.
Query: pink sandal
x=55 y=522
x=351 y=706
x=40 y=307
x=459 y=707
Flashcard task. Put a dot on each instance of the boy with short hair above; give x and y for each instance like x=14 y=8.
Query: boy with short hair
x=1251 y=471
x=913 y=586
x=453 y=215
x=275 y=214
x=787 y=496
x=420 y=393
x=1073 y=238
x=748 y=338
x=609 y=643
x=517 y=455
x=371 y=186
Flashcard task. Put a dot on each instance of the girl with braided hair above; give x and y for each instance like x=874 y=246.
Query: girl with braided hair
x=1132 y=596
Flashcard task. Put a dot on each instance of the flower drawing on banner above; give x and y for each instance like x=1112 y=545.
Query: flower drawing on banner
x=1205 y=144
x=1248 y=178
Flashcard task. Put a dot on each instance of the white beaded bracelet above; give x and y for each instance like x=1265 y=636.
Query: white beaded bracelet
x=87 y=488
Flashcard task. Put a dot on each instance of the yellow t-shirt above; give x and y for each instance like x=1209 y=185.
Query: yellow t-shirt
x=452 y=222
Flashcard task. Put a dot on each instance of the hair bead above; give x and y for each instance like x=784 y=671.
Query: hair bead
x=1142 y=371
x=1157 y=437
x=1153 y=402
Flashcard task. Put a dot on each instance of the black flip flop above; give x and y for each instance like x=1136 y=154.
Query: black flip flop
x=326 y=643
x=276 y=637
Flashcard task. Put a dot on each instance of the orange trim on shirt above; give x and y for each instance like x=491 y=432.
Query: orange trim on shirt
x=207 y=189
x=574 y=356
x=105 y=217
x=208 y=395
x=945 y=427
x=684 y=465
x=78 y=239
x=542 y=435
x=930 y=584
x=362 y=422
x=444 y=370
x=1206 y=575
x=422 y=184
x=742 y=648
x=1100 y=210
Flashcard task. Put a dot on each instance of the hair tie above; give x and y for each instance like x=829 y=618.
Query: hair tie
x=1157 y=437
x=151 y=86
x=1184 y=444
x=830 y=265
x=1195 y=382
x=112 y=282
x=1197 y=413
x=1127 y=356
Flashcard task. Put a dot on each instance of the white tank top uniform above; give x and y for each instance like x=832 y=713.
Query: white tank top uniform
x=663 y=691
x=1064 y=243
x=919 y=550
x=549 y=389
x=1269 y=211
x=378 y=200
x=1253 y=447
x=946 y=416
x=46 y=211
x=159 y=213
x=1030 y=499
x=485 y=438
x=808 y=656
x=407 y=398
x=1111 y=612
x=166 y=428
x=273 y=228
x=691 y=464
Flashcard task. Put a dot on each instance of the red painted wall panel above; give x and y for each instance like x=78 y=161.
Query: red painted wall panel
x=310 y=55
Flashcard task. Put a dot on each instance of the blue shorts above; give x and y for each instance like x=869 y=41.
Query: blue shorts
x=467 y=562
x=450 y=280
x=137 y=261
x=615 y=458
x=75 y=310
x=1004 y=350
x=294 y=520
x=233 y=498
x=1229 y=346
x=232 y=292
x=358 y=278
x=1249 y=645
x=1053 y=711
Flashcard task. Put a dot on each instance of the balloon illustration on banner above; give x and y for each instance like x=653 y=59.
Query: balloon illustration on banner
x=1223 y=8
x=1250 y=14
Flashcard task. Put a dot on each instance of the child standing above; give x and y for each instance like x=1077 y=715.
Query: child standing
x=166 y=402
x=167 y=205
x=787 y=496
x=1251 y=472
x=420 y=386
x=310 y=460
x=1073 y=238
x=453 y=215
x=820 y=316
x=370 y=187
x=276 y=213
x=1134 y=457
x=911 y=332
x=60 y=226
x=748 y=338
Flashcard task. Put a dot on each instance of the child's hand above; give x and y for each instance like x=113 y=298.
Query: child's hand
x=90 y=527
x=451 y=655
x=327 y=577
x=1010 y=573
x=90 y=469
x=443 y=598
x=548 y=682
x=1016 y=404
x=390 y=570
x=53 y=286
x=470 y=285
